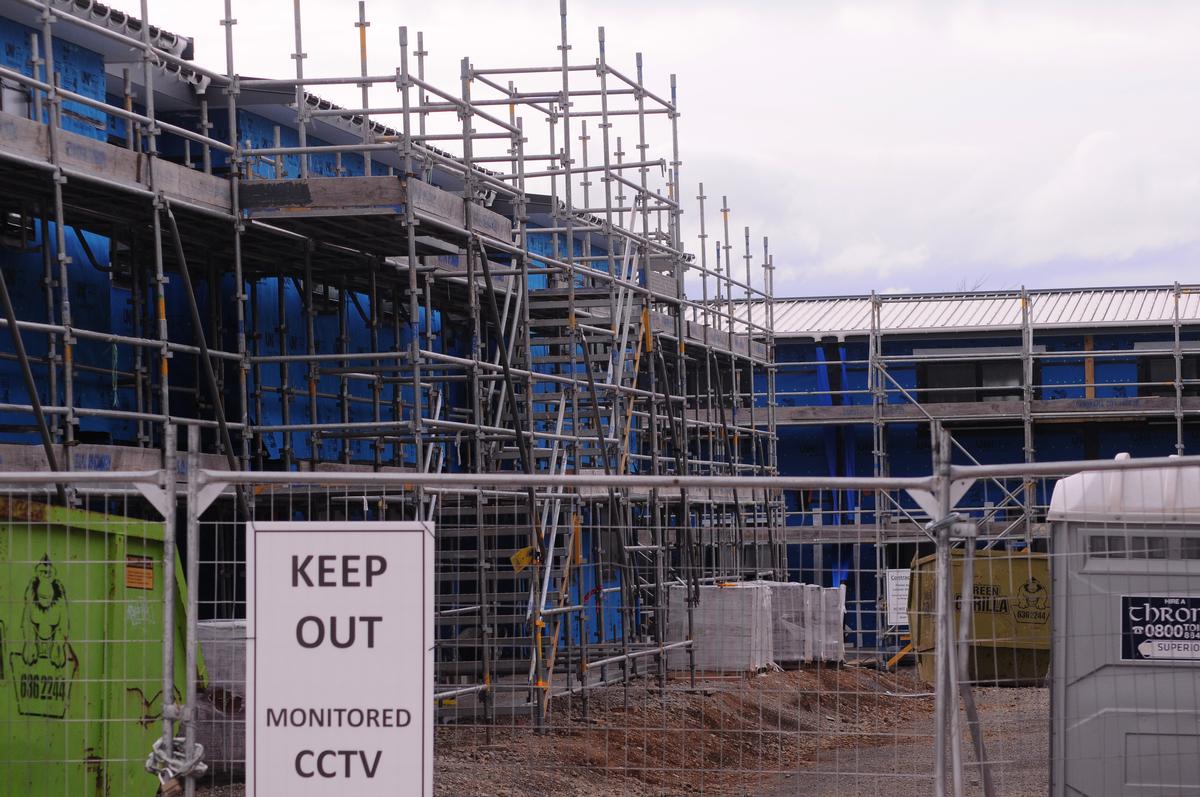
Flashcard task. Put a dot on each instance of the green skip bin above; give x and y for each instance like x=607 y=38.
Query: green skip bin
x=1010 y=628
x=81 y=649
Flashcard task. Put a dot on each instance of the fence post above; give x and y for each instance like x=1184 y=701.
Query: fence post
x=941 y=574
x=170 y=711
x=965 y=629
x=946 y=718
x=193 y=603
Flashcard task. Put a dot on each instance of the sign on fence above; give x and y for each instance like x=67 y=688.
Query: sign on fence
x=340 y=658
x=897 y=596
x=1155 y=627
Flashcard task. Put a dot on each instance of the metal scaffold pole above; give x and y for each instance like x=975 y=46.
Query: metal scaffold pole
x=432 y=285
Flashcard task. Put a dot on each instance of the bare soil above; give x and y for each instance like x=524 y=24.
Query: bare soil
x=1015 y=724
x=813 y=731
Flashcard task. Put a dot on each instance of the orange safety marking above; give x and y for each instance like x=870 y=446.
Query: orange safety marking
x=904 y=651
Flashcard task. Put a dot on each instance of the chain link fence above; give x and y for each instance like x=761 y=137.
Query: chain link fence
x=632 y=635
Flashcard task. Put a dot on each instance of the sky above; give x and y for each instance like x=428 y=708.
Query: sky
x=890 y=146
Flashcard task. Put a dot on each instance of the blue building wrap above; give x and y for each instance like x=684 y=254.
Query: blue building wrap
x=834 y=373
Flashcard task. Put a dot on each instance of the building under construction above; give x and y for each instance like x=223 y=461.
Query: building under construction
x=1017 y=376
x=482 y=278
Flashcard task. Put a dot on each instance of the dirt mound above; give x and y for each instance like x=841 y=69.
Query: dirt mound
x=676 y=740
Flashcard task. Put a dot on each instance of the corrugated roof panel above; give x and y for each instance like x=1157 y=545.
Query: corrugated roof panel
x=1161 y=306
x=948 y=309
x=1144 y=305
x=1130 y=304
x=1081 y=308
x=939 y=315
x=1084 y=309
x=958 y=313
x=1044 y=310
x=1004 y=311
x=1052 y=309
x=1189 y=305
x=1154 y=304
x=1126 y=304
x=1166 y=306
x=1112 y=304
x=987 y=310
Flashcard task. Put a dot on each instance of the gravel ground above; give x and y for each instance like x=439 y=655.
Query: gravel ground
x=833 y=731
x=1016 y=737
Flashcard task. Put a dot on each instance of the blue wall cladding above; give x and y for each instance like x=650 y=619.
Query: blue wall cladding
x=600 y=621
x=853 y=376
x=259 y=132
x=820 y=374
x=79 y=70
x=795 y=383
x=543 y=243
x=812 y=373
x=327 y=327
x=98 y=380
x=1116 y=376
x=1065 y=377
x=1061 y=377
x=263 y=314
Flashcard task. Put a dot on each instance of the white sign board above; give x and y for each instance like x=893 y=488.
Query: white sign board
x=339 y=667
x=897 y=596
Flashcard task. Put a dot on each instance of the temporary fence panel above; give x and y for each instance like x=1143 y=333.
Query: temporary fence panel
x=685 y=688
x=221 y=708
x=81 y=644
x=701 y=680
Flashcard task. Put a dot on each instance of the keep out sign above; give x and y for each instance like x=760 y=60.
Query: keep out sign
x=339 y=664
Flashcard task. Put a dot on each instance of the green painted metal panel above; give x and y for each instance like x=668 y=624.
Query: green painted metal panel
x=81 y=621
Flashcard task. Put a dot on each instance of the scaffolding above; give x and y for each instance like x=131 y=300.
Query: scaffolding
x=1016 y=365
x=477 y=280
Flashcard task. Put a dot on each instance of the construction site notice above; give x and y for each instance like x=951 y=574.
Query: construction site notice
x=339 y=667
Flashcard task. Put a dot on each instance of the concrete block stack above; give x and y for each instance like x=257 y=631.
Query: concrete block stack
x=748 y=626
x=732 y=627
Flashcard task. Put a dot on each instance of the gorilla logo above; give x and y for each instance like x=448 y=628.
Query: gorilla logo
x=45 y=620
x=1032 y=595
x=1033 y=603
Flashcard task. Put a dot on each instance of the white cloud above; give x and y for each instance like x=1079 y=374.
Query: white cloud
x=926 y=144
x=1113 y=198
x=873 y=259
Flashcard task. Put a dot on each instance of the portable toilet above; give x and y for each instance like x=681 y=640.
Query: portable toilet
x=1125 y=666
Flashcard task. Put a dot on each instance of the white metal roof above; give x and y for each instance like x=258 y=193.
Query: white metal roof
x=1163 y=495
x=1076 y=308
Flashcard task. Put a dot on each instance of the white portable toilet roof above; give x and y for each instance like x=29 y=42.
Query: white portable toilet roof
x=1163 y=495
